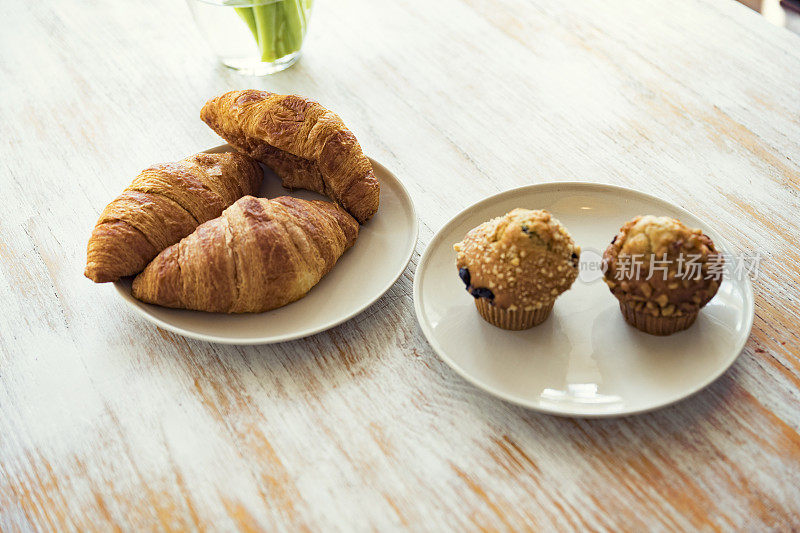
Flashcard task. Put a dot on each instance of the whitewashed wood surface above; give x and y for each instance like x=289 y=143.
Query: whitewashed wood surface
x=108 y=423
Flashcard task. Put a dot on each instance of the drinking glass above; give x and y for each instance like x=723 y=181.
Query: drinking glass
x=254 y=37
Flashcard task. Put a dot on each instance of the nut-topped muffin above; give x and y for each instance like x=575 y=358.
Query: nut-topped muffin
x=516 y=265
x=662 y=273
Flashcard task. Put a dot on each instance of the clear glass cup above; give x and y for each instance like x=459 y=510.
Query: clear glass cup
x=254 y=37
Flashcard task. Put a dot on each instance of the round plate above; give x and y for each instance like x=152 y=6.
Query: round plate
x=584 y=360
x=361 y=276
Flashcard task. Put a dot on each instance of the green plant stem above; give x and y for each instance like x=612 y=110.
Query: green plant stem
x=294 y=27
x=266 y=24
x=277 y=27
x=277 y=35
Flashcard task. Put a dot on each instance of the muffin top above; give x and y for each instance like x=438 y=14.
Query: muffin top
x=662 y=267
x=521 y=260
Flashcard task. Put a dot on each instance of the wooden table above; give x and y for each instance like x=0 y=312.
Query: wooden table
x=107 y=422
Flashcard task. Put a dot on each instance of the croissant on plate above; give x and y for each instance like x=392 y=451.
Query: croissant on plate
x=163 y=205
x=307 y=146
x=259 y=255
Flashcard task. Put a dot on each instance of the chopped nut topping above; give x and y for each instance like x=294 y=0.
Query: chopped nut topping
x=664 y=243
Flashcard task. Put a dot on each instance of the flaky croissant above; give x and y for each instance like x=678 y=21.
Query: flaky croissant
x=164 y=204
x=259 y=255
x=306 y=145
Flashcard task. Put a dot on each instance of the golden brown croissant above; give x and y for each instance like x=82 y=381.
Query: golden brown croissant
x=306 y=145
x=259 y=255
x=163 y=205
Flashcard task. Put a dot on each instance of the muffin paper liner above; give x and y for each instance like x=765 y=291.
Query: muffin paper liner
x=656 y=325
x=513 y=320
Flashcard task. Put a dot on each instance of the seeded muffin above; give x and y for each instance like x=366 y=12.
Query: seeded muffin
x=662 y=273
x=516 y=265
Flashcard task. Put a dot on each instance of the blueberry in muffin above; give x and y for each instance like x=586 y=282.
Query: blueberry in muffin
x=662 y=273
x=516 y=265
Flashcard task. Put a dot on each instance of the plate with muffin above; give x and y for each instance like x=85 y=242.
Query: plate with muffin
x=287 y=230
x=583 y=299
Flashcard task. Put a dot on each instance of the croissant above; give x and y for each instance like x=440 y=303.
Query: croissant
x=306 y=145
x=259 y=255
x=163 y=205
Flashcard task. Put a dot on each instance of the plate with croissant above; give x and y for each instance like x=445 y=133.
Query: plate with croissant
x=286 y=231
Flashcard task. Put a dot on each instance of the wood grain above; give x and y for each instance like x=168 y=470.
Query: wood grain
x=107 y=423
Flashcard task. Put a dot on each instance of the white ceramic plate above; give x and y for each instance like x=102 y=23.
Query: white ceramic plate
x=584 y=360
x=361 y=276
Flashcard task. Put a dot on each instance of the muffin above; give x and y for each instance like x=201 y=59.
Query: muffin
x=516 y=265
x=662 y=273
